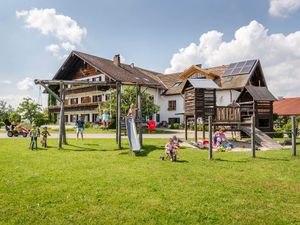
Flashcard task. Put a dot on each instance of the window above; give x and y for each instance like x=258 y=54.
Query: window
x=172 y=105
x=107 y=97
x=85 y=99
x=66 y=119
x=97 y=98
x=264 y=123
x=74 y=101
x=158 y=118
x=151 y=97
x=74 y=118
x=177 y=84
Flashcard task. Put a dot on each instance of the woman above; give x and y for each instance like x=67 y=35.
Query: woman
x=132 y=135
x=132 y=112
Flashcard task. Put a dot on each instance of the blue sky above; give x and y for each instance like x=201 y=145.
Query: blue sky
x=149 y=33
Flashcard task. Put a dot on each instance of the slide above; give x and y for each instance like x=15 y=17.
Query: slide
x=262 y=139
x=132 y=135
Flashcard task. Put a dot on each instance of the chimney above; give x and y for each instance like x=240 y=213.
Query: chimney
x=117 y=60
x=199 y=65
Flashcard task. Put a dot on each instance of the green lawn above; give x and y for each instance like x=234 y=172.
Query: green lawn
x=91 y=182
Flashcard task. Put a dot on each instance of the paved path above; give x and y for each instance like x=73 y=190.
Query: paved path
x=55 y=135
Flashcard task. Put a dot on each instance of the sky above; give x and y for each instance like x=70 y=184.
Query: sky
x=165 y=36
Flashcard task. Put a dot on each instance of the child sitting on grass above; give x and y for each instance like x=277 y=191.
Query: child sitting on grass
x=170 y=149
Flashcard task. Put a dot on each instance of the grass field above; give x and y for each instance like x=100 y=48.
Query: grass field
x=91 y=182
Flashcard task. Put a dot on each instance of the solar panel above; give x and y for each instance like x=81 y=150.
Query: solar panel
x=240 y=67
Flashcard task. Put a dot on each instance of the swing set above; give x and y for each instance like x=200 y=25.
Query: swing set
x=61 y=98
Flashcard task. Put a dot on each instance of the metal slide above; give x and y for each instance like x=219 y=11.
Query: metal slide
x=261 y=138
x=132 y=135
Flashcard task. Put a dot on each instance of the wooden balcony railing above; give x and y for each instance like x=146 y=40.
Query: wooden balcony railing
x=228 y=114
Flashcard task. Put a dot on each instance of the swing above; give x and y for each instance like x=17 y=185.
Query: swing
x=99 y=105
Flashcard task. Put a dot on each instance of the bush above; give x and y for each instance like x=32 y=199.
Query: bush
x=87 y=125
x=288 y=128
x=112 y=124
x=2 y=124
x=175 y=126
x=278 y=133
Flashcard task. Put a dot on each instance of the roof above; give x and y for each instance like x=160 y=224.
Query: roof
x=172 y=82
x=287 y=107
x=123 y=73
x=260 y=93
x=200 y=84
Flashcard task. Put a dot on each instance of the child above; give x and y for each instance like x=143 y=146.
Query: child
x=105 y=119
x=45 y=134
x=170 y=149
x=79 y=128
x=176 y=145
x=33 y=136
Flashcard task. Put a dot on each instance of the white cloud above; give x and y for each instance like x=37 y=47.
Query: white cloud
x=13 y=100
x=282 y=8
x=49 y=23
x=54 y=49
x=25 y=84
x=5 y=82
x=279 y=54
x=68 y=46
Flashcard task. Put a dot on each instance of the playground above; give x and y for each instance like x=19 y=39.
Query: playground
x=92 y=181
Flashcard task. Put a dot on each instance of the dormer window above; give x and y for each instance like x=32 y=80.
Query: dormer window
x=176 y=84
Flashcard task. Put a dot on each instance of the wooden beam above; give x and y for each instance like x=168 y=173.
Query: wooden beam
x=195 y=128
x=210 y=148
x=294 y=135
x=253 y=136
x=74 y=82
x=61 y=119
x=51 y=92
x=185 y=127
x=139 y=101
x=119 y=116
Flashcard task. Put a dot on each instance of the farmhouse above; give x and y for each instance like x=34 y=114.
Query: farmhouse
x=241 y=82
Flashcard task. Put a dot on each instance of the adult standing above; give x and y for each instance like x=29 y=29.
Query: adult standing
x=79 y=127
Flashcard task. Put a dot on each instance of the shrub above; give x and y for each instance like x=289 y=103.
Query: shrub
x=2 y=124
x=87 y=125
x=288 y=128
x=175 y=126
x=112 y=124
x=278 y=133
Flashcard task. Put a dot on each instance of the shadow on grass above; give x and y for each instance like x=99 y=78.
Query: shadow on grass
x=147 y=149
x=87 y=149
x=272 y=159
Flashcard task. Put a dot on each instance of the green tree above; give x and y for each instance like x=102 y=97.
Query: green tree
x=129 y=96
x=14 y=117
x=5 y=110
x=41 y=118
x=29 y=109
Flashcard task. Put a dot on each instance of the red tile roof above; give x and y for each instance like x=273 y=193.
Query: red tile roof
x=287 y=107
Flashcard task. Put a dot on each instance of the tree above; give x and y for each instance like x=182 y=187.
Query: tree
x=5 y=110
x=129 y=96
x=14 y=117
x=29 y=109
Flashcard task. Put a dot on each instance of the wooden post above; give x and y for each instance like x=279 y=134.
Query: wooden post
x=117 y=107
x=185 y=127
x=294 y=135
x=63 y=97
x=253 y=136
x=119 y=116
x=195 y=128
x=210 y=149
x=61 y=119
x=139 y=101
